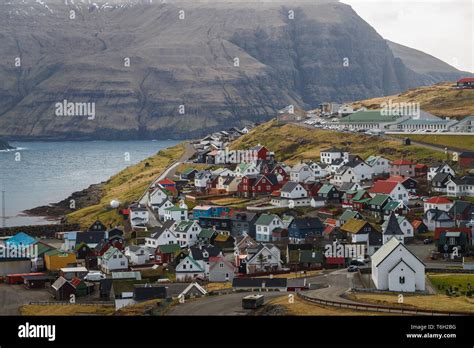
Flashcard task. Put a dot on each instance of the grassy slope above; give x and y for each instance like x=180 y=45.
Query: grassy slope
x=127 y=186
x=443 y=281
x=293 y=143
x=439 y=99
x=461 y=142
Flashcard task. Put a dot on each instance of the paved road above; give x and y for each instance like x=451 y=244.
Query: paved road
x=230 y=304
x=12 y=297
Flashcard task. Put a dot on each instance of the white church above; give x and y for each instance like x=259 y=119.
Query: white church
x=395 y=268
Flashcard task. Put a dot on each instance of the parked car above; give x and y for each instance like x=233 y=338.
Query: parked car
x=357 y=263
x=94 y=276
x=352 y=268
x=428 y=241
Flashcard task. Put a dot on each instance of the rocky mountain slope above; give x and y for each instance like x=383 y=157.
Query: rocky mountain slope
x=182 y=80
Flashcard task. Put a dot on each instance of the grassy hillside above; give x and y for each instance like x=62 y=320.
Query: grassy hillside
x=454 y=142
x=293 y=143
x=440 y=100
x=127 y=186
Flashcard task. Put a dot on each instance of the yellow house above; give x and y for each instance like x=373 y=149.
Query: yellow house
x=56 y=259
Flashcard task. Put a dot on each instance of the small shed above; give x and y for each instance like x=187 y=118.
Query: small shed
x=62 y=289
x=82 y=288
x=407 y=141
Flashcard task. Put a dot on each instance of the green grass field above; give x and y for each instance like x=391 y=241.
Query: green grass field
x=460 y=142
x=443 y=281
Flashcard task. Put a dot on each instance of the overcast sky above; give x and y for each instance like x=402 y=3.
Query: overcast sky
x=442 y=28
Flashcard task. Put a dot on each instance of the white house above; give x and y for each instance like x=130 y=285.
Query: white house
x=265 y=257
x=319 y=169
x=161 y=235
x=137 y=254
x=440 y=203
x=244 y=169
x=188 y=269
x=329 y=155
x=293 y=190
x=442 y=168
x=187 y=232
x=395 y=268
x=201 y=178
x=391 y=229
x=112 y=260
x=461 y=187
x=405 y=226
x=176 y=213
x=139 y=215
x=156 y=196
x=301 y=173
x=161 y=208
x=379 y=164
x=394 y=189
x=352 y=172
x=265 y=224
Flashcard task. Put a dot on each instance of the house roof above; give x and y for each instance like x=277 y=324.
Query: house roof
x=206 y=233
x=383 y=186
x=90 y=237
x=441 y=177
x=399 y=262
x=416 y=223
x=306 y=223
x=402 y=162
x=289 y=186
x=266 y=219
x=20 y=238
x=386 y=249
x=109 y=253
x=193 y=261
x=348 y=214
x=326 y=188
x=169 y=248
x=368 y=116
x=460 y=207
x=392 y=227
x=198 y=252
x=354 y=225
x=156 y=232
x=379 y=200
x=393 y=205
x=59 y=283
x=176 y=208
x=184 y=226
x=438 y=200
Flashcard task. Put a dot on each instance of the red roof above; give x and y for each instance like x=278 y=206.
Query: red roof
x=382 y=186
x=396 y=178
x=402 y=162
x=466 y=79
x=438 y=200
x=330 y=222
x=276 y=193
x=75 y=282
x=421 y=166
x=416 y=223
x=166 y=181
x=329 y=229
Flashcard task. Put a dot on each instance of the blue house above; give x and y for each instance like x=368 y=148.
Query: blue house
x=20 y=239
x=209 y=211
x=302 y=228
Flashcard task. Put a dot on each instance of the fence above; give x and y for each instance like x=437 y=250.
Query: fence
x=382 y=309
x=65 y=303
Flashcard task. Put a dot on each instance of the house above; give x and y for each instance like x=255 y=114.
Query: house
x=391 y=229
x=63 y=289
x=209 y=211
x=441 y=168
x=379 y=164
x=187 y=232
x=221 y=224
x=357 y=200
x=449 y=241
x=166 y=253
x=293 y=190
x=161 y=235
x=409 y=183
x=188 y=174
x=319 y=169
x=156 y=196
x=354 y=171
x=301 y=172
x=347 y=215
x=56 y=259
x=265 y=224
x=466 y=159
x=260 y=284
x=329 y=155
x=188 y=269
x=246 y=169
x=176 y=213
x=73 y=272
x=91 y=238
x=358 y=231
x=465 y=83
x=395 y=268
x=112 y=260
x=440 y=181
x=462 y=187
x=421 y=170
x=394 y=189
x=243 y=222
x=228 y=184
x=137 y=254
x=145 y=292
x=397 y=207
x=402 y=168
x=220 y=269
x=377 y=203
x=462 y=211
x=224 y=242
x=419 y=227
x=160 y=209
x=206 y=236
x=302 y=228
x=202 y=254
x=329 y=193
x=435 y=218
x=254 y=185
x=264 y=258
x=20 y=240
x=201 y=178
x=139 y=215
x=261 y=152
x=405 y=225
x=440 y=203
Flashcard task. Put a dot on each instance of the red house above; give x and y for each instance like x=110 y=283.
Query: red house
x=166 y=183
x=279 y=170
x=465 y=230
x=421 y=170
x=166 y=253
x=466 y=159
x=465 y=83
x=261 y=152
x=312 y=188
x=254 y=185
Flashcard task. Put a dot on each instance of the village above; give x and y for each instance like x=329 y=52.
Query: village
x=230 y=221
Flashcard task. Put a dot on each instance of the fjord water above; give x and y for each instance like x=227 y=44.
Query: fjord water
x=48 y=172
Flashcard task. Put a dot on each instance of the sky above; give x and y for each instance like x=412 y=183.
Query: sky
x=442 y=28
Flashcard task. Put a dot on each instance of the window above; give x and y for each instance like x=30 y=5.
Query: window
x=122 y=263
x=221 y=265
x=402 y=280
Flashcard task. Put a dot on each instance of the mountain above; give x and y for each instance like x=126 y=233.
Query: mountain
x=440 y=99
x=182 y=80
x=5 y=146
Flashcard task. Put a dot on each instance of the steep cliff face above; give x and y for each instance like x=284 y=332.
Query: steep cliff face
x=183 y=80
